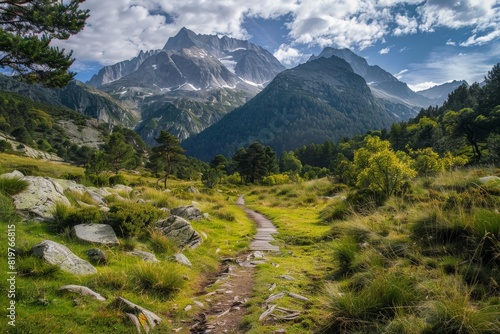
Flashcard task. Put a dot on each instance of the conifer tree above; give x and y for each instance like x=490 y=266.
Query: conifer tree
x=27 y=28
x=170 y=151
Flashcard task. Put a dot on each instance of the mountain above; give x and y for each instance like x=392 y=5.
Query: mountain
x=78 y=97
x=323 y=99
x=439 y=93
x=396 y=95
x=189 y=84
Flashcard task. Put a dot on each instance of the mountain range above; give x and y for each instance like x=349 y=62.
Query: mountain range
x=192 y=85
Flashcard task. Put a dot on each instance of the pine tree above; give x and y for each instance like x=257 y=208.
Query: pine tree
x=27 y=28
x=170 y=151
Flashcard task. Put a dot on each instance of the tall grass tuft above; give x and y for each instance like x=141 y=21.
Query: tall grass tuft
x=162 y=280
x=12 y=185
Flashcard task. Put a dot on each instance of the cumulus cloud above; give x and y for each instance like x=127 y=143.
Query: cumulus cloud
x=384 y=51
x=288 y=55
x=450 y=42
x=119 y=29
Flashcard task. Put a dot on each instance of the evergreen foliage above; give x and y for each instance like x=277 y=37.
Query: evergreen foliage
x=28 y=27
x=168 y=152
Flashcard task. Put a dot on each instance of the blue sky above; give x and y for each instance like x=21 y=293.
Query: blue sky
x=423 y=43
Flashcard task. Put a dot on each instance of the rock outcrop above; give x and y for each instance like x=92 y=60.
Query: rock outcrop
x=40 y=198
x=60 y=255
x=146 y=256
x=96 y=233
x=180 y=231
x=188 y=212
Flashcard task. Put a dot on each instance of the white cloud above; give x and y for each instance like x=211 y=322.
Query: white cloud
x=474 y=40
x=422 y=86
x=450 y=42
x=384 y=51
x=400 y=74
x=119 y=29
x=288 y=55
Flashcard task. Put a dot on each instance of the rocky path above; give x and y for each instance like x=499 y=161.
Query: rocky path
x=225 y=309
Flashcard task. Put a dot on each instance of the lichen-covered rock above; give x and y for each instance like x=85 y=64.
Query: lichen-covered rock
x=146 y=256
x=40 y=198
x=13 y=175
x=188 y=212
x=60 y=255
x=97 y=256
x=182 y=259
x=83 y=291
x=97 y=196
x=137 y=314
x=180 y=231
x=96 y=233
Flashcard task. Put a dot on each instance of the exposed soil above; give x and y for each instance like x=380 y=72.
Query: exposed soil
x=225 y=307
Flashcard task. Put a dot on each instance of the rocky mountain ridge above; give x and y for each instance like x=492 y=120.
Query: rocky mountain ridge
x=316 y=101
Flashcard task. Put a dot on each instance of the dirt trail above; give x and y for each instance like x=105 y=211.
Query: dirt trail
x=225 y=305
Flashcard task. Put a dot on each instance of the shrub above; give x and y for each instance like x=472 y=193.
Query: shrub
x=276 y=179
x=131 y=220
x=65 y=216
x=161 y=280
x=12 y=185
x=5 y=146
x=99 y=180
x=117 y=179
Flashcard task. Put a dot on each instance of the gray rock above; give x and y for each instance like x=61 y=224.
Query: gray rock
x=97 y=256
x=60 y=255
x=181 y=258
x=179 y=230
x=13 y=175
x=489 y=179
x=148 y=257
x=97 y=196
x=40 y=198
x=188 y=212
x=193 y=190
x=122 y=187
x=96 y=233
x=151 y=319
x=83 y=291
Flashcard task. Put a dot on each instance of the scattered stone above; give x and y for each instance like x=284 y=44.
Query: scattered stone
x=181 y=258
x=97 y=256
x=179 y=230
x=96 y=233
x=287 y=277
x=60 y=255
x=121 y=187
x=258 y=255
x=188 y=212
x=193 y=190
x=267 y=312
x=146 y=256
x=188 y=308
x=275 y=297
x=206 y=215
x=40 y=198
x=204 y=235
x=490 y=179
x=82 y=290
x=200 y=304
x=272 y=287
x=145 y=318
x=297 y=296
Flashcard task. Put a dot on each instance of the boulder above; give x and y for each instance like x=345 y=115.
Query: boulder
x=71 y=185
x=180 y=231
x=148 y=257
x=96 y=233
x=60 y=255
x=140 y=317
x=121 y=187
x=41 y=196
x=83 y=291
x=97 y=256
x=13 y=175
x=188 y=212
x=182 y=259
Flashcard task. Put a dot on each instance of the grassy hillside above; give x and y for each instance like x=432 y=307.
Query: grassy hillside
x=426 y=262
